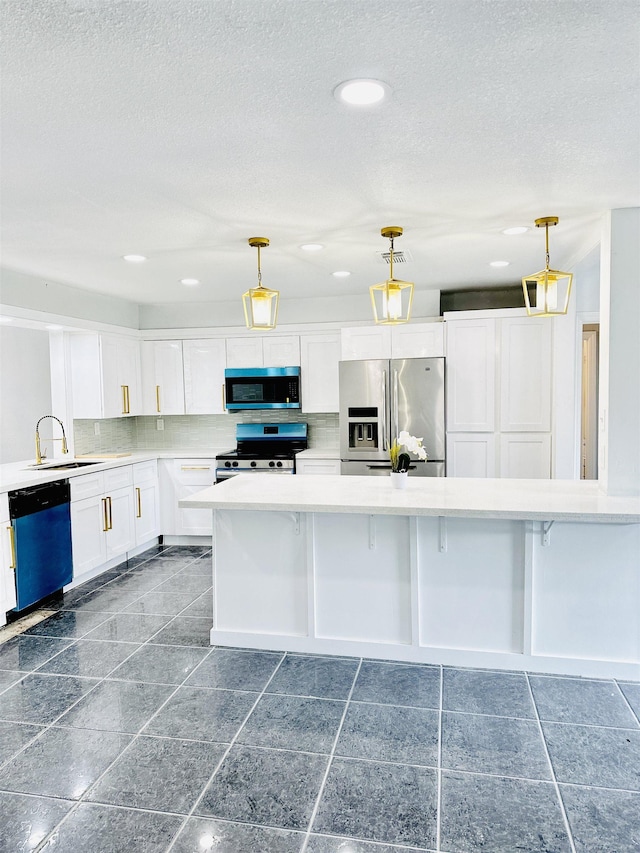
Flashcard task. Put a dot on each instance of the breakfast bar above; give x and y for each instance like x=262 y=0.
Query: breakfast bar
x=509 y=574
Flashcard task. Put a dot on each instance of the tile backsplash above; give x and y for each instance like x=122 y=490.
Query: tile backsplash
x=191 y=432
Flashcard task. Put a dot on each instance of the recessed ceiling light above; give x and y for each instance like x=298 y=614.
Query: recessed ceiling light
x=361 y=93
x=499 y=263
x=190 y=282
x=341 y=273
x=312 y=247
x=518 y=229
x=134 y=259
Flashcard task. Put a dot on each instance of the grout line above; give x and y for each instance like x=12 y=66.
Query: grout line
x=225 y=753
x=627 y=703
x=439 y=763
x=330 y=762
x=553 y=773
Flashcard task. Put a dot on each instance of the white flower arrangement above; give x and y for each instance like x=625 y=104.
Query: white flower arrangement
x=399 y=460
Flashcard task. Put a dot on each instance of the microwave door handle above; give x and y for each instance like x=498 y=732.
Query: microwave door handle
x=385 y=444
x=395 y=403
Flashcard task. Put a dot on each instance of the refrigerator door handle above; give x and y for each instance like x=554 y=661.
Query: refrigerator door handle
x=384 y=411
x=395 y=404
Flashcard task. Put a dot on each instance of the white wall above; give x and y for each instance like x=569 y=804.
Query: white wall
x=326 y=309
x=25 y=391
x=40 y=294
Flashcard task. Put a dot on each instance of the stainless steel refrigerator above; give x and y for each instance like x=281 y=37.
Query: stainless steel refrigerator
x=378 y=399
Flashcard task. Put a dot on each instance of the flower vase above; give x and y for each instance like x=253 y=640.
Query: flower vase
x=399 y=479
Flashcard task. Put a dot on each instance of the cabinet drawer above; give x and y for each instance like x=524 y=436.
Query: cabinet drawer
x=145 y=472
x=194 y=472
x=118 y=478
x=87 y=486
x=318 y=466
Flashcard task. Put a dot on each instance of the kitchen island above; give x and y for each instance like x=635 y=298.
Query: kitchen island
x=513 y=574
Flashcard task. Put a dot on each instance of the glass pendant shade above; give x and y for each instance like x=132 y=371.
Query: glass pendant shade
x=260 y=303
x=391 y=300
x=260 y=308
x=551 y=289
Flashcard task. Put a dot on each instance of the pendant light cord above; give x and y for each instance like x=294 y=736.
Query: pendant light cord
x=260 y=271
x=546 y=228
x=391 y=259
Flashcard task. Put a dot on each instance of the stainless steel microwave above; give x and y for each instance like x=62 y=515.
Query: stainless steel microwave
x=262 y=388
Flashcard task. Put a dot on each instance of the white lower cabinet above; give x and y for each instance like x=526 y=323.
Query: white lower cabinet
x=525 y=456
x=146 y=489
x=7 y=561
x=317 y=466
x=180 y=478
x=471 y=454
x=102 y=517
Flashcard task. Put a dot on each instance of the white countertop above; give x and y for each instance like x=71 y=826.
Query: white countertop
x=319 y=453
x=19 y=475
x=542 y=500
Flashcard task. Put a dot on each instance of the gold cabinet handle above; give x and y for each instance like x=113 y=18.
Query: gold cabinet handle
x=105 y=522
x=157 y=398
x=128 y=412
x=224 y=399
x=12 y=546
x=110 y=514
x=139 y=502
x=196 y=467
x=124 y=399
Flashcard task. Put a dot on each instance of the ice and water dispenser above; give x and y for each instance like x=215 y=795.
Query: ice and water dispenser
x=363 y=428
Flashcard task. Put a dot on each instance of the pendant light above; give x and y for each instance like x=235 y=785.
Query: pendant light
x=391 y=300
x=552 y=287
x=260 y=303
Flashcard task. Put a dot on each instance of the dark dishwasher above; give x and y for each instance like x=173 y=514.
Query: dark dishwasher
x=42 y=529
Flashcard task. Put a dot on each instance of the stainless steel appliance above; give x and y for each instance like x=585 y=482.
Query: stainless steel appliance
x=262 y=388
x=378 y=399
x=263 y=449
x=41 y=524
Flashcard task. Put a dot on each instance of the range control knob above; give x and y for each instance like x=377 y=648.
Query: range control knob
x=253 y=464
x=227 y=464
x=234 y=464
x=272 y=464
x=279 y=464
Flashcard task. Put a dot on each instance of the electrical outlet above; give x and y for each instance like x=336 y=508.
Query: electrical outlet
x=160 y=424
x=96 y=428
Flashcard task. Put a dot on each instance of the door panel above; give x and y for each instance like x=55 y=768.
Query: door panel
x=417 y=395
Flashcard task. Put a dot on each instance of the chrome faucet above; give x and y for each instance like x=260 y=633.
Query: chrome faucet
x=63 y=439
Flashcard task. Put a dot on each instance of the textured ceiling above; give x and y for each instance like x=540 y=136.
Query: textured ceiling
x=179 y=128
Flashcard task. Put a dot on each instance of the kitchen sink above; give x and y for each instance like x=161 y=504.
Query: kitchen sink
x=64 y=466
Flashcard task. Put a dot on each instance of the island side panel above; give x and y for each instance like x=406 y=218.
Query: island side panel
x=260 y=580
x=586 y=600
x=471 y=584
x=362 y=578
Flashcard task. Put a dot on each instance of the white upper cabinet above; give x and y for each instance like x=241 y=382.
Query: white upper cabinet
x=525 y=375
x=319 y=359
x=244 y=352
x=105 y=376
x=162 y=378
x=471 y=369
x=273 y=351
x=204 y=364
x=417 y=340
x=360 y=342
x=281 y=351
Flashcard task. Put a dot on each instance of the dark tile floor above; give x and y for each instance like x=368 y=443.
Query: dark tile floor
x=121 y=729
